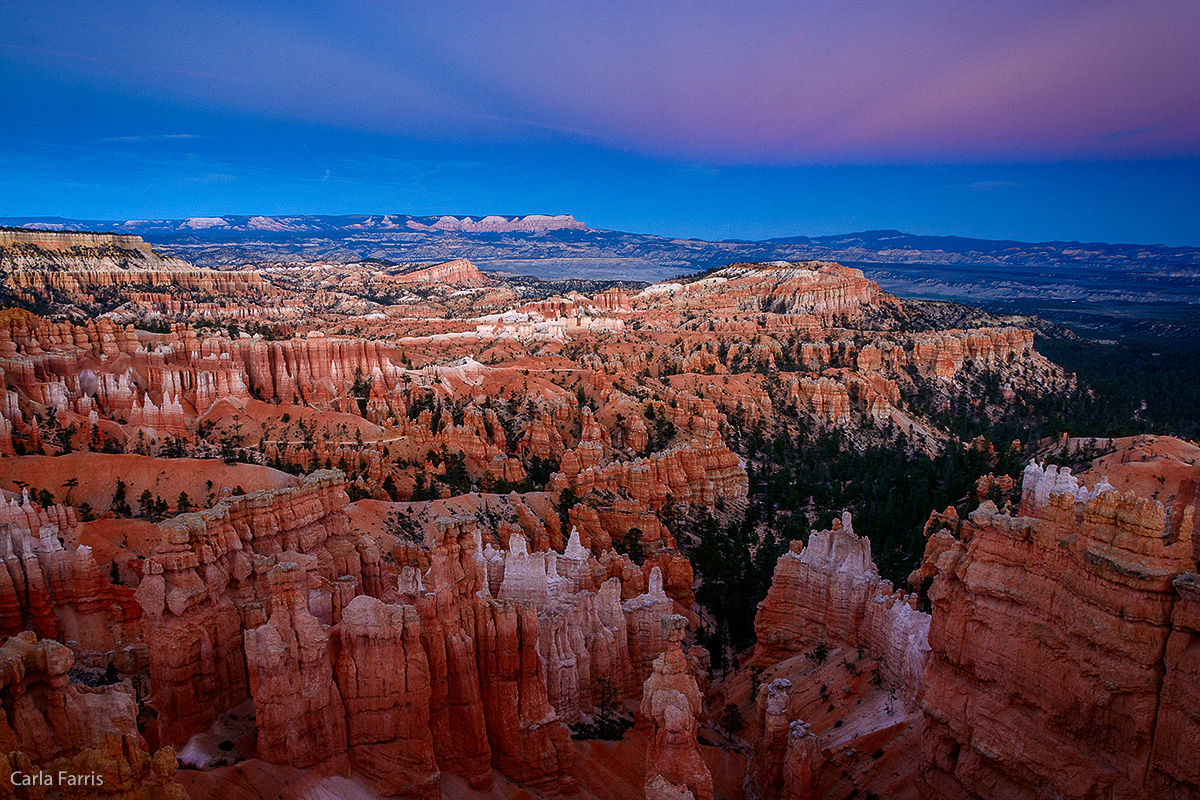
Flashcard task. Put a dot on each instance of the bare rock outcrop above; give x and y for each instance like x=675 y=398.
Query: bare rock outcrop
x=831 y=592
x=1174 y=769
x=765 y=773
x=695 y=473
x=53 y=265
x=117 y=768
x=671 y=702
x=385 y=683
x=298 y=710
x=46 y=715
x=458 y=272
x=55 y=591
x=1058 y=641
x=207 y=583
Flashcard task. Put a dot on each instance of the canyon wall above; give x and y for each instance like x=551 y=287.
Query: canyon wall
x=812 y=293
x=457 y=272
x=76 y=268
x=1060 y=654
x=206 y=584
x=1062 y=647
x=470 y=664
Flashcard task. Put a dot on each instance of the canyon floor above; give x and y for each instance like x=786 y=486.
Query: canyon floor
x=365 y=529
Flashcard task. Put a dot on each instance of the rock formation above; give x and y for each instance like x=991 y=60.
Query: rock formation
x=671 y=702
x=690 y=473
x=298 y=710
x=57 y=592
x=1174 y=771
x=117 y=768
x=647 y=635
x=384 y=679
x=506 y=568
x=46 y=715
x=207 y=583
x=1058 y=641
x=40 y=266
x=830 y=592
x=765 y=776
x=818 y=292
x=533 y=223
x=459 y=272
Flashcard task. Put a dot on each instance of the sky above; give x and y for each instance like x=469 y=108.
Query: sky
x=1034 y=120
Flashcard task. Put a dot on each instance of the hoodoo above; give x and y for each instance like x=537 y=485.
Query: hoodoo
x=418 y=531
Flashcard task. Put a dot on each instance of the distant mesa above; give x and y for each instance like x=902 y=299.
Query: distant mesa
x=207 y=222
x=458 y=272
x=48 y=251
x=534 y=223
x=43 y=268
x=15 y=239
x=318 y=224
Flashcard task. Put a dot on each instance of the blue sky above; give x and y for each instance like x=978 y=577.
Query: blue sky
x=1036 y=121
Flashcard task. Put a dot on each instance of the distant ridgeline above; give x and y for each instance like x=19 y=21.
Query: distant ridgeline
x=315 y=224
x=1103 y=291
x=76 y=272
x=10 y=238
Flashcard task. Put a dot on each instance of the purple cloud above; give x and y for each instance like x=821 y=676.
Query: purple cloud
x=911 y=81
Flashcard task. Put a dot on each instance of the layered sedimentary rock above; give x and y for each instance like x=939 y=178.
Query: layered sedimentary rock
x=584 y=642
x=788 y=755
x=692 y=473
x=298 y=709
x=46 y=715
x=118 y=767
x=501 y=611
x=198 y=389
x=671 y=702
x=38 y=265
x=818 y=291
x=385 y=683
x=459 y=272
x=647 y=636
x=528 y=742
x=765 y=775
x=57 y=592
x=78 y=369
x=489 y=704
x=1174 y=769
x=207 y=583
x=459 y=671
x=1039 y=483
x=830 y=592
x=1058 y=641
x=532 y=223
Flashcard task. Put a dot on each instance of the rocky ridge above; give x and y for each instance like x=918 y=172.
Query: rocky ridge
x=1058 y=654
